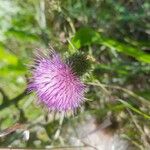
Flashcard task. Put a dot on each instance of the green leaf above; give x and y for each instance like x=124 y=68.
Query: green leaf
x=134 y=109
x=21 y=34
x=126 y=49
x=87 y=36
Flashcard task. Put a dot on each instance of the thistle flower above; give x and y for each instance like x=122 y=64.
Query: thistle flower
x=55 y=84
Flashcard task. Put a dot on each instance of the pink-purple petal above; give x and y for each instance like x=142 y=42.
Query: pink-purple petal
x=56 y=85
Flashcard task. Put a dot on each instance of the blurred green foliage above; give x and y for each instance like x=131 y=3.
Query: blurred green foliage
x=108 y=39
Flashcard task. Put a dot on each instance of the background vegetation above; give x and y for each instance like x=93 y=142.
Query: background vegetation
x=109 y=38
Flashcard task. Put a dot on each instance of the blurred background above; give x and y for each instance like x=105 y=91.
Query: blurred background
x=109 y=43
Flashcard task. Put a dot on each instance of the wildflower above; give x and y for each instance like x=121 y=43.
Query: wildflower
x=55 y=84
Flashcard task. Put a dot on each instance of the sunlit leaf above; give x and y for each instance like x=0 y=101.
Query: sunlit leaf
x=10 y=63
x=6 y=57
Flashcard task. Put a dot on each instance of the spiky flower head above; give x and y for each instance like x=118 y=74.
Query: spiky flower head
x=55 y=84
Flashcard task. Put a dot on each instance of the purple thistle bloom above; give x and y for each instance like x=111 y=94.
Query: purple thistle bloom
x=55 y=84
